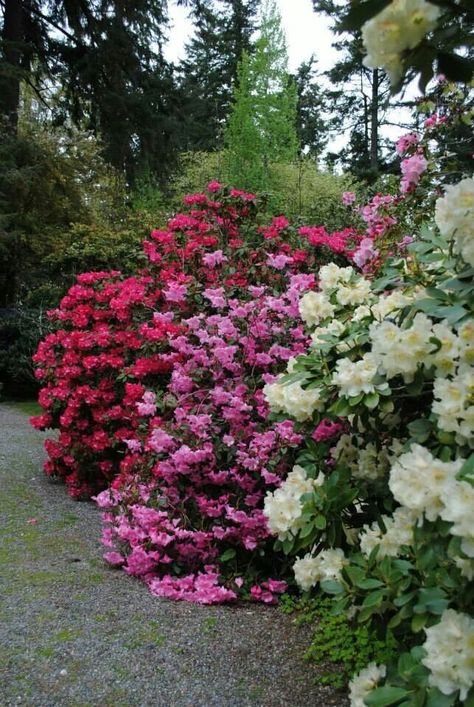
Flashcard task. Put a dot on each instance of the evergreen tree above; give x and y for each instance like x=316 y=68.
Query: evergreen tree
x=311 y=119
x=262 y=125
x=359 y=102
x=222 y=32
x=108 y=58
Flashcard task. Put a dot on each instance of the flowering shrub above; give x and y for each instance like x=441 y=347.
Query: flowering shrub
x=191 y=487
x=112 y=338
x=381 y=514
x=155 y=382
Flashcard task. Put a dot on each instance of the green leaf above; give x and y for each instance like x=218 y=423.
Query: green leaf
x=420 y=429
x=227 y=555
x=320 y=522
x=467 y=469
x=330 y=586
x=435 y=698
x=368 y=583
x=371 y=401
x=356 y=400
x=360 y=12
x=385 y=696
x=374 y=598
x=306 y=530
x=432 y=599
x=418 y=622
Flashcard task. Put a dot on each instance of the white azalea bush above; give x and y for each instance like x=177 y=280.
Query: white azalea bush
x=379 y=510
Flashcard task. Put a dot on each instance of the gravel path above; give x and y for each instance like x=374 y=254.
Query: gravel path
x=74 y=632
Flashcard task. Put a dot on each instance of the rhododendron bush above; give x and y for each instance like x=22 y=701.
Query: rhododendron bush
x=379 y=513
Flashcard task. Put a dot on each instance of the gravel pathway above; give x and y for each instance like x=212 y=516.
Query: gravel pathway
x=74 y=632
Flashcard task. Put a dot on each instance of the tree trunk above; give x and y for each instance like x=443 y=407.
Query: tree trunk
x=12 y=36
x=374 y=122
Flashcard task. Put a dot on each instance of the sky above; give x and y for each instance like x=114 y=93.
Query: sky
x=306 y=33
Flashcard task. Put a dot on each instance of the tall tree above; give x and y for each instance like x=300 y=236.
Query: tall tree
x=312 y=123
x=223 y=31
x=358 y=103
x=262 y=125
x=107 y=56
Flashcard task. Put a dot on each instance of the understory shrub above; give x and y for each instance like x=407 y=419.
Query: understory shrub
x=21 y=330
x=339 y=647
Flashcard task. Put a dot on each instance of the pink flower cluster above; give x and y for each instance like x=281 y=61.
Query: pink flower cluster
x=201 y=471
x=412 y=169
x=365 y=252
x=405 y=142
x=379 y=215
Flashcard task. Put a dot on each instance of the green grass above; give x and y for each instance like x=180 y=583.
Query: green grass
x=29 y=407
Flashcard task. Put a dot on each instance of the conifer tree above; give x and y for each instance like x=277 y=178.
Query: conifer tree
x=262 y=125
x=312 y=124
x=357 y=101
x=107 y=56
x=223 y=31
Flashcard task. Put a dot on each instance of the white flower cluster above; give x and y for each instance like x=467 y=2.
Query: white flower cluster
x=449 y=650
x=283 y=507
x=399 y=532
x=427 y=486
x=362 y=684
x=420 y=482
x=454 y=216
x=390 y=303
x=365 y=462
x=331 y=275
x=400 y=26
x=293 y=399
x=310 y=570
x=334 y=328
x=315 y=307
x=356 y=292
x=356 y=377
x=454 y=404
x=399 y=351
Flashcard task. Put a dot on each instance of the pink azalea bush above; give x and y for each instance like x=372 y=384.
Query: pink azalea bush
x=190 y=492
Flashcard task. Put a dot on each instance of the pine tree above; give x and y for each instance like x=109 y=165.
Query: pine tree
x=262 y=126
x=108 y=58
x=359 y=102
x=312 y=125
x=209 y=72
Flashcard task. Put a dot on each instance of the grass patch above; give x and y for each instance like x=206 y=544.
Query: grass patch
x=28 y=407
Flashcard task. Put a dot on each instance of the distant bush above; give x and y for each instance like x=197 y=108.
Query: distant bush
x=20 y=332
x=299 y=190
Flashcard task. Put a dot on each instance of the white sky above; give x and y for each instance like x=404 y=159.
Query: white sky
x=306 y=33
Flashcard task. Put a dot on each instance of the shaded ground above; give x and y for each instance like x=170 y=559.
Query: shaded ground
x=74 y=632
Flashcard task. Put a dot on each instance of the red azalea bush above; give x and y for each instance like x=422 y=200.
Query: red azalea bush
x=113 y=335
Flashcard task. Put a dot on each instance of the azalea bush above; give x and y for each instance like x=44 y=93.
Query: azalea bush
x=379 y=512
x=155 y=382
x=114 y=337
